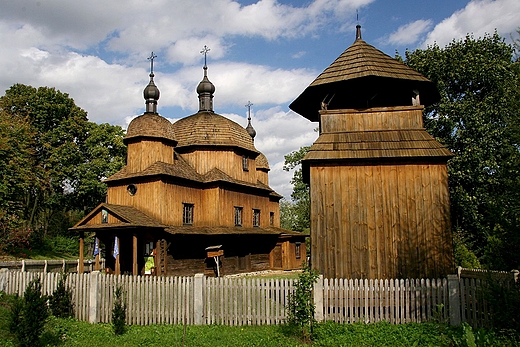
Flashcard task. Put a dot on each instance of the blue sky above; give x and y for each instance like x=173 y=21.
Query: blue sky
x=265 y=51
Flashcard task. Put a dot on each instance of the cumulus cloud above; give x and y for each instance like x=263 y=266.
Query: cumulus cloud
x=409 y=33
x=477 y=18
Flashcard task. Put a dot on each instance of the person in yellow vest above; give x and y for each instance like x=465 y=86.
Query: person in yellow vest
x=149 y=264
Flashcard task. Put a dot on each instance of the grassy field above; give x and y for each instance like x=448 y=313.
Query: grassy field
x=69 y=332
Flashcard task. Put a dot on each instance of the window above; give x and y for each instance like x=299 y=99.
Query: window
x=131 y=189
x=271 y=218
x=245 y=163
x=187 y=214
x=256 y=217
x=104 y=216
x=297 y=250
x=238 y=216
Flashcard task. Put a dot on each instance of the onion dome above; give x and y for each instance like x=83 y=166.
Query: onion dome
x=208 y=129
x=250 y=130
x=151 y=95
x=205 y=89
x=364 y=77
x=150 y=125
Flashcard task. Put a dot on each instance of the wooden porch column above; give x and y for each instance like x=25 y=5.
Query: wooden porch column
x=134 y=255
x=81 y=251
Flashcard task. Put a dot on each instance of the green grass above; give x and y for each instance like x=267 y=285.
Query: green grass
x=69 y=332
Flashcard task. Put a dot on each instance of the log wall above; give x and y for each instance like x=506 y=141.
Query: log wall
x=380 y=221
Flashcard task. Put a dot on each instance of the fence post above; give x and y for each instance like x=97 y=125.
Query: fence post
x=198 y=299
x=318 y=299
x=454 y=299
x=93 y=310
x=4 y=273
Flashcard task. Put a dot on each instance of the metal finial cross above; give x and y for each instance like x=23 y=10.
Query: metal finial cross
x=151 y=58
x=205 y=51
x=357 y=16
x=248 y=105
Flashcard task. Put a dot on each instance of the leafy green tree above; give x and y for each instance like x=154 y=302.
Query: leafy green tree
x=299 y=218
x=56 y=159
x=478 y=118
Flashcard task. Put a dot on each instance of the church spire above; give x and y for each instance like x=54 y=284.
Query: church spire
x=151 y=92
x=205 y=88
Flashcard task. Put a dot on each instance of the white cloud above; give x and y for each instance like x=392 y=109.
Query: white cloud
x=477 y=18
x=409 y=33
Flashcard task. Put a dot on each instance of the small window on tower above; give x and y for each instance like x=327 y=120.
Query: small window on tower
x=238 y=216
x=187 y=214
x=245 y=163
x=298 y=250
x=271 y=218
x=256 y=217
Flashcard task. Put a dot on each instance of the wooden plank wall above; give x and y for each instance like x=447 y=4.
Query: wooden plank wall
x=380 y=221
x=144 y=153
x=373 y=119
x=228 y=161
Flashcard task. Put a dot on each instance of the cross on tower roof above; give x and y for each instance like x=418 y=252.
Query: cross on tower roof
x=248 y=105
x=205 y=51
x=151 y=58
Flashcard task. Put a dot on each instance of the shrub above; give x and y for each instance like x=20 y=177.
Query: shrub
x=29 y=314
x=301 y=306
x=503 y=297
x=60 y=302
x=119 y=313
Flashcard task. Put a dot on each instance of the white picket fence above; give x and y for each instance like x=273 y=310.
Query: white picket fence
x=254 y=301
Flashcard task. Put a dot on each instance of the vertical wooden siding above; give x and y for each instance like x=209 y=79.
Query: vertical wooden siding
x=380 y=221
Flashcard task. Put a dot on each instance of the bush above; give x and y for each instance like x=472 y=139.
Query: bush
x=503 y=297
x=28 y=315
x=301 y=305
x=119 y=313
x=60 y=302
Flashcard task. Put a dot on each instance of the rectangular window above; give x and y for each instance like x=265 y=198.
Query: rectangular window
x=297 y=250
x=238 y=216
x=256 y=217
x=187 y=214
x=245 y=164
x=271 y=218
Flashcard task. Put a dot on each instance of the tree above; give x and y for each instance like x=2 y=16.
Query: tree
x=478 y=119
x=55 y=159
x=300 y=209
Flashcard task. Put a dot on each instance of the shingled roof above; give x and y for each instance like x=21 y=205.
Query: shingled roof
x=206 y=128
x=361 y=77
x=407 y=143
x=129 y=216
x=150 y=125
x=221 y=230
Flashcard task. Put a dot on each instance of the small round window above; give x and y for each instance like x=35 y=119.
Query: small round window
x=131 y=189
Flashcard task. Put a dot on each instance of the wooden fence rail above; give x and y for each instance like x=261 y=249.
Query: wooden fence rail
x=252 y=301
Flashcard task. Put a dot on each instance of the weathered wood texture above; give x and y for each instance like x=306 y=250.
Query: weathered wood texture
x=381 y=221
x=212 y=206
x=372 y=119
x=227 y=161
x=144 y=153
x=379 y=196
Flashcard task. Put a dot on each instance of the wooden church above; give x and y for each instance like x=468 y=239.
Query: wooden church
x=378 y=181
x=194 y=197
